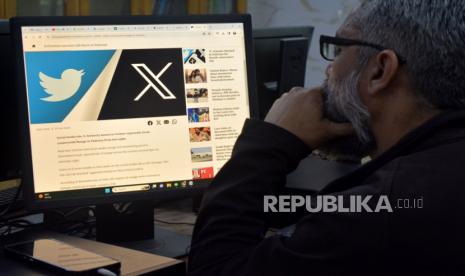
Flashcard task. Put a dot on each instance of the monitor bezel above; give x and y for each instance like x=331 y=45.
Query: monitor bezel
x=284 y=32
x=10 y=163
x=26 y=154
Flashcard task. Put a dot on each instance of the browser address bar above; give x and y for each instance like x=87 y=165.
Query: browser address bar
x=96 y=36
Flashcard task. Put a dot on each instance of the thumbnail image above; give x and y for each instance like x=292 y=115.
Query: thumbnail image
x=202 y=173
x=197 y=95
x=193 y=56
x=135 y=93
x=199 y=134
x=196 y=75
x=197 y=115
x=201 y=154
x=124 y=91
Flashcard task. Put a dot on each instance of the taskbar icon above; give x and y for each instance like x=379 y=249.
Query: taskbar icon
x=173 y=185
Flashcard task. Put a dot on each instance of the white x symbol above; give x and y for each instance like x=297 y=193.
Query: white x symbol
x=140 y=68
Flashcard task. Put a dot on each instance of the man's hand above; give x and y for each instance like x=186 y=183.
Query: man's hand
x=300 y=111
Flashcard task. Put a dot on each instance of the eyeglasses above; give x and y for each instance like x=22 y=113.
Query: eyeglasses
x=330 y=47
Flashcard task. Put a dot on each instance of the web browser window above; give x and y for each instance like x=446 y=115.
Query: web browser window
x=124 y=108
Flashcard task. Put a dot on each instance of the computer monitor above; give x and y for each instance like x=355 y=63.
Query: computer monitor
x=281 y=59
x=106 y=111
x=9 y=144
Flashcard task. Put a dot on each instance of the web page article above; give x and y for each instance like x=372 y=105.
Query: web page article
x=119 y=110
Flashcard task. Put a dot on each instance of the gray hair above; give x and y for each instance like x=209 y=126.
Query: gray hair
x=429 y=35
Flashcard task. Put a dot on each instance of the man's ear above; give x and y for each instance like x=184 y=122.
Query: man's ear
x=382 y=71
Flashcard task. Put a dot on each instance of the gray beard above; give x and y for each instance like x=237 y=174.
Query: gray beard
x=346 y=108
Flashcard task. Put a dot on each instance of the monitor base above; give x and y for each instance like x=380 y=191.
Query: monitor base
x=166 y=243
x=133 y=226
x=124 y=222
x=129 y=225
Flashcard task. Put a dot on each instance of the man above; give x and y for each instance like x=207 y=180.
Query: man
x=398 y=77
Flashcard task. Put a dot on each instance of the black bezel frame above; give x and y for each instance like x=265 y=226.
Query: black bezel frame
x=26 y=155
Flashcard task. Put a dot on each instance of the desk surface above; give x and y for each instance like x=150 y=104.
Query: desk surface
x=8 y=184
x=132 y=262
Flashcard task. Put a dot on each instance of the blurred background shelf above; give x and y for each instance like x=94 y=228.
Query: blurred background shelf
x=10 y=8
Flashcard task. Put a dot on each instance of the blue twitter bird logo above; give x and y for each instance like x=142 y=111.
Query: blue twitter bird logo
x=63 y=88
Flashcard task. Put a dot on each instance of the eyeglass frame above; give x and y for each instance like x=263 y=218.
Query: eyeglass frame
x=339 y=41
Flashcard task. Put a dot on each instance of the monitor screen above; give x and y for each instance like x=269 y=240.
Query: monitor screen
x=133 y=108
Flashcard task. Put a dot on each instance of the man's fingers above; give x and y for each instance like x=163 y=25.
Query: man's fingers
x=300 y=111
x=340 y=129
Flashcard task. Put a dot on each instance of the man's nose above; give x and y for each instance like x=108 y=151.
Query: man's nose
x=329 y=70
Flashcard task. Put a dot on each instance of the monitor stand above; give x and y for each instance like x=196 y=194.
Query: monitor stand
x=132 y=226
